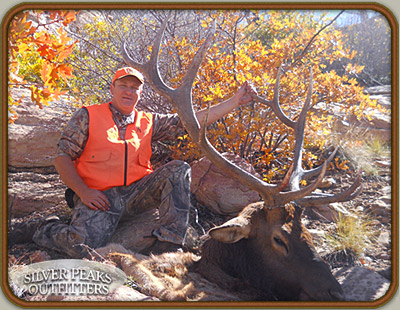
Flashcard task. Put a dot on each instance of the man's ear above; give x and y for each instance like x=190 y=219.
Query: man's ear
x=112 y=89
x=231 y=231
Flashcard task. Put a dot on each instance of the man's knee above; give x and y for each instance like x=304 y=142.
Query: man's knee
x=178 y=165
x=179 y=172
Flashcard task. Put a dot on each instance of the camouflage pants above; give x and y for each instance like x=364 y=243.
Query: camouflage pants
x=153 y=208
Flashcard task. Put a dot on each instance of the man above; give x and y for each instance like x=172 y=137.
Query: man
x=103 y=157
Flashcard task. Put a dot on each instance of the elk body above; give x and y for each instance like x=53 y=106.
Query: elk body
x=265 y=253
x=262 y=254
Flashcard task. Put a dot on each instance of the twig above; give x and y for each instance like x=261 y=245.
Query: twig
x=10 y=211
x=315 y=35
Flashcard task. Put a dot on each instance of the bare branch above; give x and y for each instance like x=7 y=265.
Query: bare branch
x=315 y=35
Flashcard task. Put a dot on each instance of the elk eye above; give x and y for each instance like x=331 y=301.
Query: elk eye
x=280 y=243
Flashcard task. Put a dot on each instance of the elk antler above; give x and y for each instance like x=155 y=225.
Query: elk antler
x=298 y=172
x=181 y=99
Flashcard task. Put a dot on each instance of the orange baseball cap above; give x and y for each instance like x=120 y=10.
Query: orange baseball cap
x=127 y=71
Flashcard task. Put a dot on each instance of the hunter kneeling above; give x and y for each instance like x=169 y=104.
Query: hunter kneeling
x=103 y=157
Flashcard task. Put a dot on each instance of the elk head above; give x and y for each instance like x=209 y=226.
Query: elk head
x=279 y=256
x=285 y=241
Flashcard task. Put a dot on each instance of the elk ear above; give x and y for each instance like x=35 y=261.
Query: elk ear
x=231 y=231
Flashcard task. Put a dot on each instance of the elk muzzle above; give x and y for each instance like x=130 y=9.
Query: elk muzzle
x=322 y=286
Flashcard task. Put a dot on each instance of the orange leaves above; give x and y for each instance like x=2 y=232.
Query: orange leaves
x=54 y=48
x=340 y=164
x=51 y=73
x=252 y=51
x=45 y=71
x=38 y=55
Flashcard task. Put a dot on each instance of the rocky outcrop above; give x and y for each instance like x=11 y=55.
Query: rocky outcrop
x=218 y=190
x=379 y=126
x=34 y=191
x=32 y=139
x=361 y=284
x=33 y=185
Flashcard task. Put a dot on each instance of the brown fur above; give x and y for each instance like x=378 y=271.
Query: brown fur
x=167 y=277
x=260 y=255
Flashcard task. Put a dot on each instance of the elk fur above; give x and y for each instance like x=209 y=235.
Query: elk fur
x=167 y=276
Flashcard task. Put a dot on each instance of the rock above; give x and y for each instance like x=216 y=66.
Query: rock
x=386 y=199
x=361 y=284
x=33 y=138
x=32 y=142
x=327 y=183
x=384 y=239
x=318 y=237
x=124 y=293
x=386 y=190
x=379 y=90
x=30 y=191
x=383 y=163
x=328 y=213
x=384 y=100
x=379 y=124
x=383 y=256
x=31 y=146
x=219 y=191
x=381 y=209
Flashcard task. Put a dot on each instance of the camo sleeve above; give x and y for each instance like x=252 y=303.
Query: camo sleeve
x=167 y=127
x=75 y=135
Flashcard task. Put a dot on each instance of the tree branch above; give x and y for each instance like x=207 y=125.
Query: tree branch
x=315 y=35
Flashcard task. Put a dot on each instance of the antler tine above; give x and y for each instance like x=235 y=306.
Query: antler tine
x=307 y=104
x=353 y=191
x=267 y=191
x=182 y=96
x=198 y=58
x=150 y=68
x=313 y=172
x=297 y=194
x=274 y=104
x=128 y=60
x=286 y=179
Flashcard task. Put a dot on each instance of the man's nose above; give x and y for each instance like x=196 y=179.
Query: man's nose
x=129 y=91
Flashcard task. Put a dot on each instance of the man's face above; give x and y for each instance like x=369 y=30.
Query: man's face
x=126 y=94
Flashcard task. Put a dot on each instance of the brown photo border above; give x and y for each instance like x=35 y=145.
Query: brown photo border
x=200 y=6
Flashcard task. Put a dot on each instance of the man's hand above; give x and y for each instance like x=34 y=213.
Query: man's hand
x=95 y=199
x=242 y=96
x=244 y=93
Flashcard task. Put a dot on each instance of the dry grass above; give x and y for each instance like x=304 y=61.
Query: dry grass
x=352 y=234
x=361 y=149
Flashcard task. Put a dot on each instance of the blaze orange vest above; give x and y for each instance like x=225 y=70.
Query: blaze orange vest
x=108 y=161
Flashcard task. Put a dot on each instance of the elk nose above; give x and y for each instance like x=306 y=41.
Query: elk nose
x=336 y=294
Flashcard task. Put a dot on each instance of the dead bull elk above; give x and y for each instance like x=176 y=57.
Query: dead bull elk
x=266 y=248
